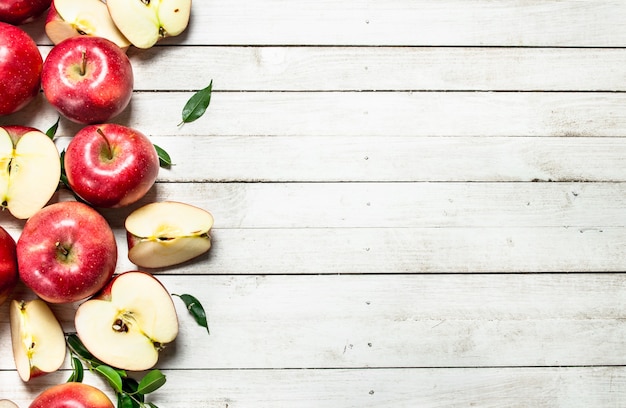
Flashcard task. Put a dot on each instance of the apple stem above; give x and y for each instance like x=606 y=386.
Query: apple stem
x=109 y=151
x=62 y=249
x=83 y=66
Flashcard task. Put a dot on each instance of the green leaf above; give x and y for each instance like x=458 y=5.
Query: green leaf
x=112 y=375
x=76 y=346
x=151 y=382
x=53 y=129
x=77 y=370
x=151 y=405
x=197 y=104
x=63 y=173
x=195 y=309
x=164 y=158
x=125 y=401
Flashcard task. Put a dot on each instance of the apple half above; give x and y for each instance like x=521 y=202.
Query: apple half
x=144 y=22
x=5 y=403
x=30 y=169
x=128 y=324
x=167 y=233
x=37 y=338
x=71 y=18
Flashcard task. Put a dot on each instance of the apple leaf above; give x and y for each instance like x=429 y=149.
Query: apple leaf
x=125 y=401
x=164 y=158
x=77 y=370
x=112 y=375
x=197 y=104
x=77 y=347
x=195 y=309
x=151 y=382
x=53 y=129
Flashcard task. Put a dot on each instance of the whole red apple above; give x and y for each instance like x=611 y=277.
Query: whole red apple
x=72 y=395
x=110 y=165
x=66 y=252
x=18 y=12
x=87 y=79
x=20 y=69
x=8 y=265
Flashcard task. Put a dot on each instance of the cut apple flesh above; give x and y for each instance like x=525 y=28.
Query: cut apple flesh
x=37 y=338
x=5 y=403
x=167 y=233
x=82 y=17
x=129 y=326
x=29 y=172
x=143 y=22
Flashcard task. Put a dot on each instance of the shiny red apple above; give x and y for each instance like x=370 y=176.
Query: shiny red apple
x=8 y=265
x=72 y=395
x=20 y=69
x=66 y=252
x=18 y=12
x=87 y=79
x=110 y=165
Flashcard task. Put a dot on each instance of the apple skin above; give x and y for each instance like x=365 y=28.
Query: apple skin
x=87 y=79
x=18 y=12
x=71 y=395
x=21 y=65
x=8 y=265
x=66 y=252
x=111 y=165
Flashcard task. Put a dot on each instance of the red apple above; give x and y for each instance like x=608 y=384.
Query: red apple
x=18 y=12
x=87 y=79
x=20 y=69
x=66 y=252
x=72 y=395
x=111 y=165
x=8 y=265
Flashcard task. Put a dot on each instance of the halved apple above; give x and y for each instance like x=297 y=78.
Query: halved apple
x=129 y=322
x=144 y=22
x=5 y=403
x=167 y=233
x=37 y=337
x=30 y=169
x=71 y=18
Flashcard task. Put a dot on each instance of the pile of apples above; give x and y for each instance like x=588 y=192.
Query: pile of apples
x=66 y=251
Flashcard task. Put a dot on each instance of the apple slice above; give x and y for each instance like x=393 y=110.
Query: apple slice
x=144 y=22
x=167 y=233
x=30 y=169
x=71 y=18
x=37 y=337
x=5 y=403
x=129 y=322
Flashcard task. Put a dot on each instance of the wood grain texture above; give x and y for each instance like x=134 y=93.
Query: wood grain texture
x=417 y=203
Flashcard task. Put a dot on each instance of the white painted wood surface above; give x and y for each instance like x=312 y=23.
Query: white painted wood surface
x=417 y=203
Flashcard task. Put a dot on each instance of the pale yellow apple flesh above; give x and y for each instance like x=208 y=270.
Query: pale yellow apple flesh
x=144 y=23
x=29 y=172
x=129 y=326
x=83 y=17
x=5 y=403
x=37 y=338
x=167 y=233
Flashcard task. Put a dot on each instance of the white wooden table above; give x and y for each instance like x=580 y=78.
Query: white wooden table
x=417 y=203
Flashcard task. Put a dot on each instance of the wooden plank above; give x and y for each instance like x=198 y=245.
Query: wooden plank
x=388 y=114
x=381 y=69
x=276 y=322
x=401 y=250
x=395 y=205
x=403 y=22
x=485 y=387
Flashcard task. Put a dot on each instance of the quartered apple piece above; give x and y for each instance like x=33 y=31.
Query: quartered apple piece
x=129 y=322
x=167 y=233
x=144 y=22
x=30 y=170
x=70 y=18
x=37 y=337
